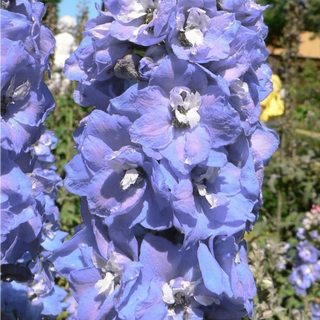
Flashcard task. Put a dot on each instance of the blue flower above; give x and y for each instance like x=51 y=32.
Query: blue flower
x=100 y=63
x=30 y=218
x=98 y=270
x=315 y=309
x=168 y=284
x=26 y=302
x=307 y=268
x=182 y=127
x=200 y=33
x=21 y=222
x=143 y=22
x=307 y=252
x=25 y=99
x=303 y=276
x=233 y=283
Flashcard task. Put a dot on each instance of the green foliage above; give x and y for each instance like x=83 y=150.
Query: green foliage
x=64 y=120
x=307 y=92
x=271 y=262
x=274 y=19
x=292 y=180
x=276 y=14
x=312 y=18
x=291 y=186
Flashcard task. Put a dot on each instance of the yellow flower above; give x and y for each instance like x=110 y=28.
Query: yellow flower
x=273 y=105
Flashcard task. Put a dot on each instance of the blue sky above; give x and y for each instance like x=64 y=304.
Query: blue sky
x=70 y=7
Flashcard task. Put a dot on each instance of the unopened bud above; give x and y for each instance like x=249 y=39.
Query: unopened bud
x=266 y=283
x=126 y=67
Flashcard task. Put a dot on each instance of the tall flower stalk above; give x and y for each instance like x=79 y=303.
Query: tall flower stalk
x=29 y=217
x=170 y=162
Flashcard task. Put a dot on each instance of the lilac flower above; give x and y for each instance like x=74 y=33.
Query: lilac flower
x=30 y=232
x=151 y=60
x=168 y=284
x=95 y=268
x=47 y=142
x=24 y=103
x=310 y=226
x=118 y=286
x=98 y=64
x=170 y=72
x=221 y=203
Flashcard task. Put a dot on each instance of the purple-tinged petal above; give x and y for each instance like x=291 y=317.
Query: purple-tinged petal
x=197 y=145
x=265 y=142
x=78 y=176
x=220 y=283
x=173 y=71
x=153 y=129
x=135 y=102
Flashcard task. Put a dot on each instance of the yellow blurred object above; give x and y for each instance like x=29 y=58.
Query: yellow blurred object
x=273 y=105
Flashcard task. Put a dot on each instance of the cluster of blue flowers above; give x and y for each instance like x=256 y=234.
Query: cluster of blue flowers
x=307 y=269
x=170 y=162
x=315 y=311
x=29 y=217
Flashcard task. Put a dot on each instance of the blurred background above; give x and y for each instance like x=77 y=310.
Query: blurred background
x=284 y=245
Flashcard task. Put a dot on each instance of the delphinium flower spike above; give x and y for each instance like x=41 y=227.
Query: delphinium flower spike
x=170 y=161
x=29 y=217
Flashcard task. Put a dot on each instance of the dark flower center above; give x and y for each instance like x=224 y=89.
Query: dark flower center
x=4 y=104
x=182 y=110
x=180 y=125
x=6 y=3
x=149 y=16
x=183 y=39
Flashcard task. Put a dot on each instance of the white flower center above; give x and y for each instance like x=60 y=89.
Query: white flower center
x=130 y=178
x=213 y=201
x=136 y=9
x=185 y=105
x=210 y=175
x=240 y=87
x=105 y=285
x=111 y=271
x=168 y=296
x=195 y=26
x=177 y=291
x=237 y=259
